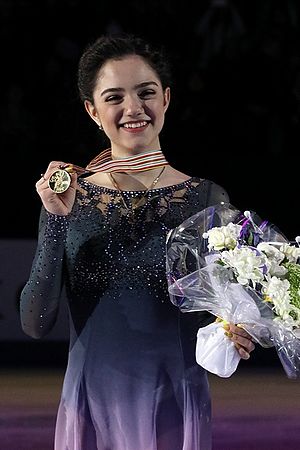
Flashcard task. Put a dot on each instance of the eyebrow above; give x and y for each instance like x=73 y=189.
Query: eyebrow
x=137 y=86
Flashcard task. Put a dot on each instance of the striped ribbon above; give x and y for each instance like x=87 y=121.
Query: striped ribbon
x=136 y=163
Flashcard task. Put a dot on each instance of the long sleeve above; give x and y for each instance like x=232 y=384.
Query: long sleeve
x=39 y=300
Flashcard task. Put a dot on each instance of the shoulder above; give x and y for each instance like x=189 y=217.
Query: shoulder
x=207 y=189
x=211 y=190
x=215 y=190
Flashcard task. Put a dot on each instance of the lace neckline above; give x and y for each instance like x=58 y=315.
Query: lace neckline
x=99 y=188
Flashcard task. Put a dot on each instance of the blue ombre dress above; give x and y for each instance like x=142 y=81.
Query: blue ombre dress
x=132 y=381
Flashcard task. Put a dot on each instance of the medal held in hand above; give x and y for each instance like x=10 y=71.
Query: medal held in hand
x=60 y=180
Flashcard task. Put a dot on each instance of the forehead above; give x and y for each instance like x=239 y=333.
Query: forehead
x=130 y=69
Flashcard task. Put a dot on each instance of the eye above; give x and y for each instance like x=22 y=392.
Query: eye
x=113 y=98
x=147 y=93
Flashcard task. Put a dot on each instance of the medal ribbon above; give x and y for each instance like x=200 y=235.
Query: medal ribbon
x=137 y=163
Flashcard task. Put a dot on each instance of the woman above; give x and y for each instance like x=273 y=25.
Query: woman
x=132 y=382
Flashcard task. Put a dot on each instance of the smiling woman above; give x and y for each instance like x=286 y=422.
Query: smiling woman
x=132 y=381
x=130 y=110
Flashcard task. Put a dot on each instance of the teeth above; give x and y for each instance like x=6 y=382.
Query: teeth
x=135 y=125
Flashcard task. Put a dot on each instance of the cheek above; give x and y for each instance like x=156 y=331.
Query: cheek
x=155 y=110
x=160 y=116
x=110 y=116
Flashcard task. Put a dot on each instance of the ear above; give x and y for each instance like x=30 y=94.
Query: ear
x=92 y=111
x=167 y=95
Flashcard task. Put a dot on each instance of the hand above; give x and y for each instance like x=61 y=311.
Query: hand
x=242 y=340
x=60 y=204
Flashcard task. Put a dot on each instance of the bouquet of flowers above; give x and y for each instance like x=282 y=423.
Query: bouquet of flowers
x=242 y=270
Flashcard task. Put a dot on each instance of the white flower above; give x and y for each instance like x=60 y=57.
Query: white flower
x=271 y=251
x=275 y=257
x=246 y=263
x=225 y=237
x=263 y=266
x=277 y=292
x=291 y=252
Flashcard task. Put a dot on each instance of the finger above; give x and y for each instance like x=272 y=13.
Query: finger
x=244 y=342
x=54 y=165
x=67 y=166
x=41 y=182
x=242 y=352
x=237 y=329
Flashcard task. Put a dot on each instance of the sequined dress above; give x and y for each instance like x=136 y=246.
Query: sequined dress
x=132 y=382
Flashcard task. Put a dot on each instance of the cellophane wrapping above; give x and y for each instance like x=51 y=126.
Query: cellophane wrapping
x=197 y=282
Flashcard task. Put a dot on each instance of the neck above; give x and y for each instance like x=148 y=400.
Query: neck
x=143 y=180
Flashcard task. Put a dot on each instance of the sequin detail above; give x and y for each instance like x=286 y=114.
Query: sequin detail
x=131 y=363
x=122 y=249
x=104 y=251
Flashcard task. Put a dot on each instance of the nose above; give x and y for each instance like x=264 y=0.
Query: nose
x=133 y=106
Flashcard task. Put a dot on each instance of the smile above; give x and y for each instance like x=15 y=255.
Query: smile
x=135 y=125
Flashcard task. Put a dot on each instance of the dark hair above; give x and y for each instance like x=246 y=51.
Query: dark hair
x=117 y=47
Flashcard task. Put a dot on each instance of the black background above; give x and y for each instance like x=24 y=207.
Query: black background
x=235 y=109
x=235 y=106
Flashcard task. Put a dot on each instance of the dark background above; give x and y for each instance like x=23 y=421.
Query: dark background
x=235 y=108
x=235 y=101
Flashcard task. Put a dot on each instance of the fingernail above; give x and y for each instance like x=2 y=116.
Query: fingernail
x=228 y=334
x=226 y=327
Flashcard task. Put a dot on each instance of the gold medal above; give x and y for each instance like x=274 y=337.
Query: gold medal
x=60 y=180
